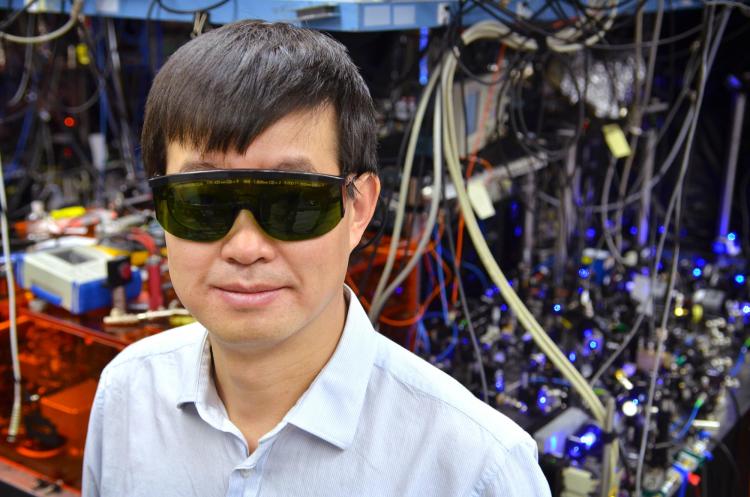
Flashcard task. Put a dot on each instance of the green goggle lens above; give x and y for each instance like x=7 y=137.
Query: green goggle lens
x=202 y=206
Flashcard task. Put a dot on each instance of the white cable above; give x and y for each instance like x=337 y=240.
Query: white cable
x=26 y=40
x=564 y=40
x=403 y=191
x=437 y=187
x=15 y=417
x=491 y=30
x=494 y=30
x=707 y=60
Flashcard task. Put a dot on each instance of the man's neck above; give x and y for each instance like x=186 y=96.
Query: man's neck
x=259 y=386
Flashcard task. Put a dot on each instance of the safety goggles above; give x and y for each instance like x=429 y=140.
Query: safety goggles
x=202 y=206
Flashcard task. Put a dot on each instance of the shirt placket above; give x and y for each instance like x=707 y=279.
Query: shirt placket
x=246 y=478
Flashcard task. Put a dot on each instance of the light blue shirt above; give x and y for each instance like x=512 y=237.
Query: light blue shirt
x=377 y=421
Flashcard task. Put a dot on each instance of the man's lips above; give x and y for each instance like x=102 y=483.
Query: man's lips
x=242 y=288
x=240 y=295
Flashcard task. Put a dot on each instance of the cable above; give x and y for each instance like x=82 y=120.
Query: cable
x=404 y=189
x=74 y=11
x=27 y=63
x=491 y=30
x=637 y=116
x=15 y=417
x=190 y=11
x=739 y=5
x=693 y=414
x=614 y=355
x=676 y=203
x=469 y=324
x=379 y=301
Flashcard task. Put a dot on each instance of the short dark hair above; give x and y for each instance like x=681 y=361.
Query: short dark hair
x=221 y=90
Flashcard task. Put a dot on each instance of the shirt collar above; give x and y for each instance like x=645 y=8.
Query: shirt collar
x=197 y=373
x=330 y=408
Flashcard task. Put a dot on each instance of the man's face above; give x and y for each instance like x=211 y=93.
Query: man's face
x=249 y=289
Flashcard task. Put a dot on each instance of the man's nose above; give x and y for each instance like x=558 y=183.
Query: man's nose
x=246 y=242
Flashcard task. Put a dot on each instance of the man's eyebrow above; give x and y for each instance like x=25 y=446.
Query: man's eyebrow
x=198 y=165
x=299 y=164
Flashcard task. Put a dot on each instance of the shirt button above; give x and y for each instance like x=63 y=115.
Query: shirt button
x=246 y=472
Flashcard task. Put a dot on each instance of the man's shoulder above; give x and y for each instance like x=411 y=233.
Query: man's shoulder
x=451 y=404
x=169 y=342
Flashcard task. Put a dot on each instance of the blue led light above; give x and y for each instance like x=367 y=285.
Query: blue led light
x=731 y=237
x=517 y=231
x=700 y=262
x=583 y=442
x=583 y=273
x=593 y=344
x=399 y=290
x=630 y=286
x=661 y=229
x=746 y=309
x=719 y=248
x=739 y=279
x=557 y=308
x=424 y=38
x=590 y=233
x=588 y=332
x=633 y=230
x=489 y=292
x=697 y=272
x=589 y=439
x=572 y=357
x=503 y=307
x=541 y=399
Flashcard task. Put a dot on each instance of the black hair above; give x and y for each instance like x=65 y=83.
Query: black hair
x=221 y=90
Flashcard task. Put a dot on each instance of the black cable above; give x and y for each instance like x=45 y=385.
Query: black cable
x=732 y=461
x=15 y=15
x=462 y=297
x=189 y=11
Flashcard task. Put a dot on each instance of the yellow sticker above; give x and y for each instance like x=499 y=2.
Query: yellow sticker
x=616 y=140
x=68 y=212
x=480 y=199
x=82 y=54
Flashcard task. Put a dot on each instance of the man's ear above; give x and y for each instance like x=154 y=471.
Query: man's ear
x=362 y=206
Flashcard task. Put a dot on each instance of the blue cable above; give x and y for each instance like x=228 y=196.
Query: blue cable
x=683 y=487
x=478 y=272
x=441 y=279
x=23 y=137
x=739 y=362
x=449 y=349
x=424 y=337
x=689 y=422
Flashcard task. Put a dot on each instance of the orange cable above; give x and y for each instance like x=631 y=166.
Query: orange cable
x=473 y=158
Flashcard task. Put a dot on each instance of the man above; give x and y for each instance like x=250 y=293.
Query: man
x=261 y=142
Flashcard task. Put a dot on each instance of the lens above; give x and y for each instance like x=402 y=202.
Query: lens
x=198 y=211
x=300 y=212
x=203 y=206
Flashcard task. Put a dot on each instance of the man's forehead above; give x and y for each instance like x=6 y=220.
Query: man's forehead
x=183 y=159
x=303 y=141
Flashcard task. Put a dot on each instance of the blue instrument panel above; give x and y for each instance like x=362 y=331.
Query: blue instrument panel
x=331 y=16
